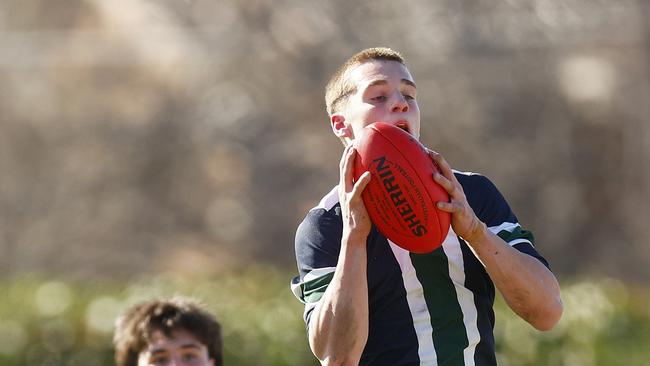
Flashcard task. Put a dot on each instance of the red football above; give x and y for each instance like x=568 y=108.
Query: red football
x=401 y=196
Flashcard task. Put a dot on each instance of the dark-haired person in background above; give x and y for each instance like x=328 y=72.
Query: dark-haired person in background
x=176 y=331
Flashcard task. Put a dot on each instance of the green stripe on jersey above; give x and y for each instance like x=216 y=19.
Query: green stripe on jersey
x=517 y=233
x=313 y=290
x=449 y=333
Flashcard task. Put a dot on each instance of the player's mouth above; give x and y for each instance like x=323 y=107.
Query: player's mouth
x=404 y=125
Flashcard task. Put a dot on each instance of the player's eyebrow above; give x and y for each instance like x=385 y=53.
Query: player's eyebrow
x=158 y=352
x=190 y=346
x=377 y=82
x=409 y=82
x=183 y=346
x=383 y=82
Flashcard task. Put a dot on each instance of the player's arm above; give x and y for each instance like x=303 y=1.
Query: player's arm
x=339 y=323
x=529 y=288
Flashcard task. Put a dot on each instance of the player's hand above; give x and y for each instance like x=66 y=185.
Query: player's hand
x=463 y=219
x=356 y=222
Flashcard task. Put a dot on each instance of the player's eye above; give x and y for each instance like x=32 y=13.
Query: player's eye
x=408 y=96
x=379 y=98
x=159 y=360
x=189 y=357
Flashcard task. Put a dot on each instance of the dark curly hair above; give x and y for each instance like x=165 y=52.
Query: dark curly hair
x=134 y=329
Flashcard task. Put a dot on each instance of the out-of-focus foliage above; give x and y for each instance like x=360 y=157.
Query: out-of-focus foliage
x=604 y=323
x=55 y=322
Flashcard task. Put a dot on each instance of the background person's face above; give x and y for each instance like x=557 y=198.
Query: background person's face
x=182 y=349
x=386 y=92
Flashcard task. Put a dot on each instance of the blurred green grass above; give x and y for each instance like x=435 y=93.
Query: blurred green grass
x=605 y=322
x=45 y=321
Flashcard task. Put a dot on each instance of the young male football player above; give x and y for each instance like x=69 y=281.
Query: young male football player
x=174 y=332
x=370 y=302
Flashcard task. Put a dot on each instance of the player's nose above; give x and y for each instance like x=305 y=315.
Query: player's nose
x=400 y=105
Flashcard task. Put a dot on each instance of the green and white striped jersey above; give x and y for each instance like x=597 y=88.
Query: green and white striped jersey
x=424 y=309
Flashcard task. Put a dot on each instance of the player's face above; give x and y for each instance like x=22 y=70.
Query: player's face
x=182 y=349
x=386 y=92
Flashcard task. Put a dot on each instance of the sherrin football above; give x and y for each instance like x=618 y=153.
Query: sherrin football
x=401 y=195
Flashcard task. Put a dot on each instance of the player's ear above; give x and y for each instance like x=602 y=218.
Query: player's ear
x=340 y=128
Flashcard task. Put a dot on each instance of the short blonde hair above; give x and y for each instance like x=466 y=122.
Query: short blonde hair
x=339 y=88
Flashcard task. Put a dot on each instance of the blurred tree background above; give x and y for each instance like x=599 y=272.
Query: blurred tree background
x=158 y=147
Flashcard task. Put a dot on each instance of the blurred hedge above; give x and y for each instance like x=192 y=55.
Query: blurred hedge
x=52 y=322
x=47 y=321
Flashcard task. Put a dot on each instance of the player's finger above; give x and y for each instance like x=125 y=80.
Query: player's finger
x=448 y=207
x=343 y=157
x=445 y=183
x=348 y=169
x=442 y=165
x=361 y=184
x=434 y=156
x=342 y=182
x=430 y=152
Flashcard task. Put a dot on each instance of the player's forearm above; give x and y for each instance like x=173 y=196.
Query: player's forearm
x=529 y=288
x=339 y=329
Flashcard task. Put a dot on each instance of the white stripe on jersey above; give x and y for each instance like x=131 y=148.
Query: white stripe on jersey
x=314 y=274
x=451 y=247
x=509 y=227
x=464 y=173
x=317 y=273
x=417 y=306
x=330 y=200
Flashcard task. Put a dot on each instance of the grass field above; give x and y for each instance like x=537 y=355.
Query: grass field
x=45 y=321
